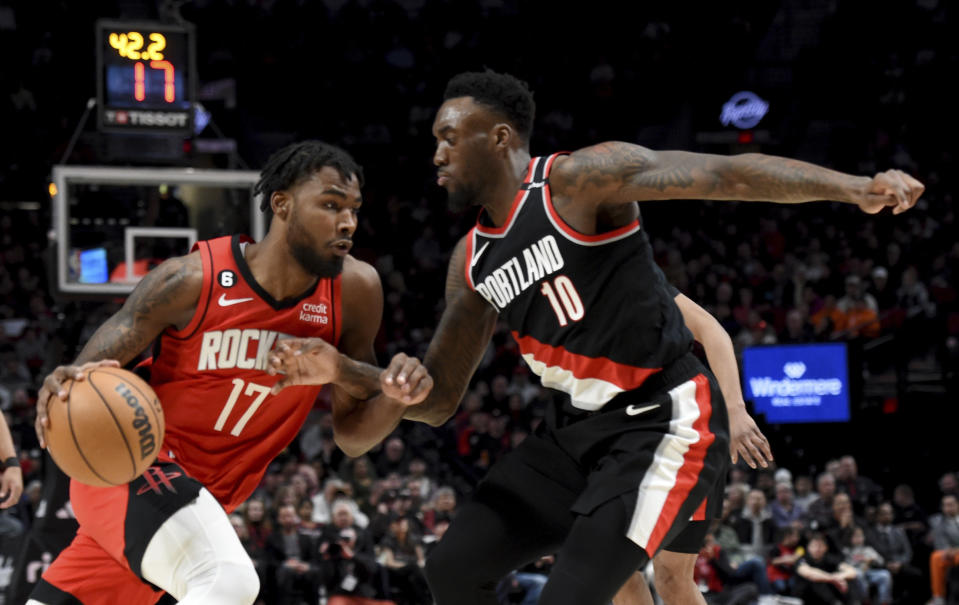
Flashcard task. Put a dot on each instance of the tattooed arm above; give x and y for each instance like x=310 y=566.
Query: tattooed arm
x=368 y=402
x=458 y=345
x=166 y=296
x=618 y=173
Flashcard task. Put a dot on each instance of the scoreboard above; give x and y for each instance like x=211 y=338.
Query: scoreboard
x=146 y=74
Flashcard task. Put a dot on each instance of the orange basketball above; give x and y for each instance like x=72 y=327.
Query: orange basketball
x=108 y=431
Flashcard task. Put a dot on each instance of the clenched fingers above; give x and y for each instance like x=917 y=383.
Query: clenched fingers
x=406 y=379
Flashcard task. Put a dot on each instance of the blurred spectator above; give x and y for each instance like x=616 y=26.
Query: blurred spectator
x=401 y=552
x=725 y=582
x=291 y=553
x=783 y=509
x=351 y=576
x=873 y=575
x=891 y=542
x=825 y=579
x=755 y=526
x=856 y=295
x=783 y=557
x=442 y=504
x=804 y=492
x=948 y=484
x=862 y=490
x=909 y=515
x=323 y=502
x=726 y=535
x=343 y=519
x=884 y=294
x=258 y=524
x=524 y=586
x=819 y=513
x=945 y=555
x=308 y=526
x=394 y=457
x=418 y=473
x=829 y=320
x=360 y=474
x=257 y=554
x=839 y=527
x=797 y=330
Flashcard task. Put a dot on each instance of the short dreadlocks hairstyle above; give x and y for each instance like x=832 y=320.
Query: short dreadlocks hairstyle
x=504 y=93
x=297 y=162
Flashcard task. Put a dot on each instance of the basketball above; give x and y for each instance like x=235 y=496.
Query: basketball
x=109 y=429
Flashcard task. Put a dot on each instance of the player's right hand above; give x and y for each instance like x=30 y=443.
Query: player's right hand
x=892 y=188
x=406 y=380
x=53 y=387
x=303 y=361
x=746 y=440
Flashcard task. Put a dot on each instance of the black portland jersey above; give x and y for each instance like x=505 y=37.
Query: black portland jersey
x=593 y=314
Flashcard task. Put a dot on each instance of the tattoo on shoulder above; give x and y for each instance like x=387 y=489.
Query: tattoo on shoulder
x=164 y=296
x=616 y=164
x=166 y=286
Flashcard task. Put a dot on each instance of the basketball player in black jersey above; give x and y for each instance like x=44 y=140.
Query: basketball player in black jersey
x=559 y=254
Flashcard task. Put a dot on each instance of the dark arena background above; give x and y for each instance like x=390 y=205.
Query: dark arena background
x=93 y=192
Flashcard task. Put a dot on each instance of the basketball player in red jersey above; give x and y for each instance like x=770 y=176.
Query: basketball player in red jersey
x=559 y=254
x=213 y=316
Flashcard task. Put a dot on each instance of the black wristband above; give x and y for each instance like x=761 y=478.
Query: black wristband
x=11 y=461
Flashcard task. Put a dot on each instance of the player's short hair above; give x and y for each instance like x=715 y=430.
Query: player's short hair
x=299 y=161
x=503 y=93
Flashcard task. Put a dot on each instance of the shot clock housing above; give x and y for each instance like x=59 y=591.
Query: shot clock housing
x=146 y=74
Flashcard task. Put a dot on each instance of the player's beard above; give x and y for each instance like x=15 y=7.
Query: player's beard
x=461 y=198
x=304 y=252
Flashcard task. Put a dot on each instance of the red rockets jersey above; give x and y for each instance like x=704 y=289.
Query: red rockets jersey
x=222 y=424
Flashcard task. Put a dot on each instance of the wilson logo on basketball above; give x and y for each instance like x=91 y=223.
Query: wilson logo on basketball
x=140 y=421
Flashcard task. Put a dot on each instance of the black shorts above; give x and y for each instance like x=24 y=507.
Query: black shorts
x=662 y=449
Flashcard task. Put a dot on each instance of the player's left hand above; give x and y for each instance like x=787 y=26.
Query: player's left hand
x=304 y=361
x=406 y=380
x=11 y=486
x=746 y=440
x=893 y=188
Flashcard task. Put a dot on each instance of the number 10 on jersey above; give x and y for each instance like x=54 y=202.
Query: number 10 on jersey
x=564 y=299
x=252 y=390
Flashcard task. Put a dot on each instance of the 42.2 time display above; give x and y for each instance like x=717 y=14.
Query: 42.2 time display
x=129 y=45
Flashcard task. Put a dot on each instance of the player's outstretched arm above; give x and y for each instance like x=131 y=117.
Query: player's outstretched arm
x=457 y=346
x=166 y=296
x=617 y=172
x=368 y=402
x=745 y=438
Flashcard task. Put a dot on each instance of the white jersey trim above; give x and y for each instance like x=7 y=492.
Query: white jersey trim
x=586 y=393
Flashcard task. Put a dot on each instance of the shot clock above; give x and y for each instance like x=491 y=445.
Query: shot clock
x=146 y=74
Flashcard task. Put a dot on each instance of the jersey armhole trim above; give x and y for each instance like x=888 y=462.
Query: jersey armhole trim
x=337 y=309
x=470 y=237
x=203 y=304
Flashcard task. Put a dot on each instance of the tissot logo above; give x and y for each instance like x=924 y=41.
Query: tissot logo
x=169 y=119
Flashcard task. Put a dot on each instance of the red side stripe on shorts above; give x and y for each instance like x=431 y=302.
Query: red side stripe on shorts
x=689 y=472
x=700 y=514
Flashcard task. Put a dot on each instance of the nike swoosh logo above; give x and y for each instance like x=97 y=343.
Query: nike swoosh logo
x=478 y=254
x=226 y=302
x=632 y=410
